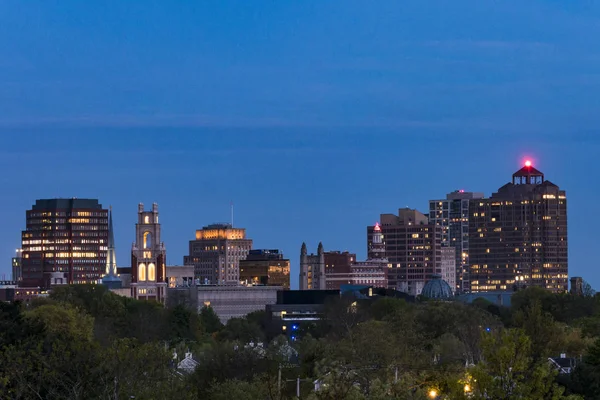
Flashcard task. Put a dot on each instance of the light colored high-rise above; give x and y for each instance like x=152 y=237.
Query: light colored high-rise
x=216 y=253
x=452 y=215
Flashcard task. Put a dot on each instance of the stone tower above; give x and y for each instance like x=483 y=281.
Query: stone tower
x=312 y=269
x=148 y=258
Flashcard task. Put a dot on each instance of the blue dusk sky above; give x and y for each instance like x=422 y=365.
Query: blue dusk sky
x=313 y=117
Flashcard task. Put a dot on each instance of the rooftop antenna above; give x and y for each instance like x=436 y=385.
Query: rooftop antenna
x=232 y=214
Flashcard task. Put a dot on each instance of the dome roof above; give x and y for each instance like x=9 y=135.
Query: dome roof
x=437 y=288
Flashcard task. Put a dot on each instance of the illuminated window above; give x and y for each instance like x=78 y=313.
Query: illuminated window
x=147 y=254
x=146 y=219
x=142 y=272
x=151 y=272
x=147 y=240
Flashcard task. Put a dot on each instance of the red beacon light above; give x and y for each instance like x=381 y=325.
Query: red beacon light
x=528 y=163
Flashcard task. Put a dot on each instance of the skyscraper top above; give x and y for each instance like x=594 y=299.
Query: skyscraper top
x=48 y=204
x=528 y=175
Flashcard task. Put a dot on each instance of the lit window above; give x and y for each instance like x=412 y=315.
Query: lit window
x=151 y=272
x=142 y=272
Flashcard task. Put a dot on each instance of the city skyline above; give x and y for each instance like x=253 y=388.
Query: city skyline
x=312 y=118
x=351 y=243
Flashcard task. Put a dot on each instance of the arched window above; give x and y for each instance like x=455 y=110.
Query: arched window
x=151 y=272
x=146 y=219
x=142 y=272
x=147 y=240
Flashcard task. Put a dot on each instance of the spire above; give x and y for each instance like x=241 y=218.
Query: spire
x=111 y=279
x=303 y=248
x=320 y=248
x=111 y=235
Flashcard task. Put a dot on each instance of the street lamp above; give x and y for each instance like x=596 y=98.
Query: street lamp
x=433 y=394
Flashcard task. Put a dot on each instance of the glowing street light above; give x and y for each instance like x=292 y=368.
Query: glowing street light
x=433 y=394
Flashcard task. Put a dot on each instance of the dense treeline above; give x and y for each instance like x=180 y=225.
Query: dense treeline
x=84 y=342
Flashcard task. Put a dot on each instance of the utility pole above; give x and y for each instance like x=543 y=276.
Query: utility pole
x=279 y=381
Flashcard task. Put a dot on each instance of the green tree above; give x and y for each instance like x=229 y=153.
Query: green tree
x=509 y=372
x=209 y=319
x=241 y=330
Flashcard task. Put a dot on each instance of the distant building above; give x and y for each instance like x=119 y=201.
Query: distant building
x=412 y=247
x=148 y=258
x=216 y=253
x=294 y=308
x=111 y=279
x=577 y=286
x=448 y=266
x=17 y=265
x=372 y=272
x=312 y=269
x=452 y=215
x=437 y=289
x=125 y=275
x=342 y=268
x=338 y=269
x=180 y=275
x=518 y=237
x=66 y=237
x=265 y=267
x=227 y=301
x=375 y=244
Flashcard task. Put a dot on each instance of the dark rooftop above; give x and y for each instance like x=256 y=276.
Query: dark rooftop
x=66 y=204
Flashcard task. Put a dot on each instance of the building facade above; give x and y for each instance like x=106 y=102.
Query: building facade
x=338 y=268
x=265 y=267
x=518 y=236
x=64 y=239
x=180 y=275
x=227 y=301
x=312 y=269
x=148 y=258
x=452 y=215
x=448 y=266
x=216 y=253
x=412 y=247
x=373 y=272
x=17 y=267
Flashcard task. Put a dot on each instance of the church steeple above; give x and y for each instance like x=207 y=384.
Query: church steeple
x=111 y=279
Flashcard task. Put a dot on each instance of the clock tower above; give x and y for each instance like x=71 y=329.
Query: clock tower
x=148 y=258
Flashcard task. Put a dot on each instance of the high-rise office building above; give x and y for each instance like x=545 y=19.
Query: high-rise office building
x=412 y=247
x=216 y=253
x=518 y=237
x=148 y=258
x=65 y=241
x=452 y=215
x=312 y=269
x=265 y=267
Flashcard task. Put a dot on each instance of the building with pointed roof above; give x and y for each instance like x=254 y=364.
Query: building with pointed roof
x=111 y=279
x=312 y=269
x=518 y=236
